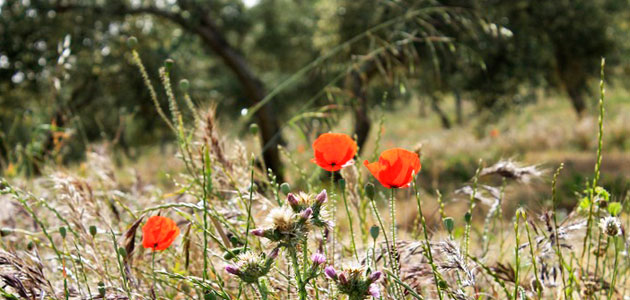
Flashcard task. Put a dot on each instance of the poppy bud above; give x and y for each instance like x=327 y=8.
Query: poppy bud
x=253 y=129
x=292 y=199
x=122 y=251
x=62 y=231
x=184 y=84
x=375 y=276
x=93 y=230
x=449 y=223
x=342 y=185
x=285 y=188
x=258 y=232
x=132 y=42
x=307 y=213
x=330 y=272
x=232 y=269
x=467 y=217
x=318 y=258
x=101 y=289
x=369 y=191
x=168 y=64
x=374 y=231
x=322 y=197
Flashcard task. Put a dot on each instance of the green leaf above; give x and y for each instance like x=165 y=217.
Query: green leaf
x=614 y=208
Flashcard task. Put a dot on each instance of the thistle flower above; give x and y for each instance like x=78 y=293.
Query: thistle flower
x=374 y=291
x=232 y=269
x=375 y=276
x=611 y=226
x=292 y=200
x=322 y=197
x=330 y=272
x=318 y=258
x=306 y=213
x=250 y=266
x=355 y=282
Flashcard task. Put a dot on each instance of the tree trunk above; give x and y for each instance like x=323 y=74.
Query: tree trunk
x=362 y=122
x=577 y=100
x=446 y=123
x=459 y=118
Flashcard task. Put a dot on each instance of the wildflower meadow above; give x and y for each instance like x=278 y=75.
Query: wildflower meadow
x=208 y=191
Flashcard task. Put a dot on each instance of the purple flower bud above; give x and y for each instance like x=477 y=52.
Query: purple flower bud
x=274 y=253
x=322 y=197
x=307 y=213
x=375 y=276
x=330 y=272
x=374 y=291
x=292 y=199
x=318 y=258
x=232 y=269
x=258 y=232
x=342 y=278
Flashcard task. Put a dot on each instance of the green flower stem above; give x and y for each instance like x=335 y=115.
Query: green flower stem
x=354 y=245
x=426 y=239
x=298 y=276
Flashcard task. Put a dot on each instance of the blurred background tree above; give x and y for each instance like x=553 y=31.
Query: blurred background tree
x=66 y=79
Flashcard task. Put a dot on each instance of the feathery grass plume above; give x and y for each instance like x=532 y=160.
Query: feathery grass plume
x=513 y=170
x=23 y=273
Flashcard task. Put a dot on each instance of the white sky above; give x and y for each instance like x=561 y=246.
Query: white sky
x=250 y=3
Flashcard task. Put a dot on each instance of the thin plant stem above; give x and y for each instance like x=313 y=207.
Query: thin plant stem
x=531 y=252
x=517 y=261
x=427 y=241
x=354 y=245
x=600 y=133
x=249 y=205
x=470 y=211
x=614 y=276
x=153 y=270
x=554 y=200
x=334 y=216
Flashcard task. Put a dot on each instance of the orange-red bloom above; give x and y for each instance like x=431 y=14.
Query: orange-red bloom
x=159 y=233
x=333 y=151
x=395 y=167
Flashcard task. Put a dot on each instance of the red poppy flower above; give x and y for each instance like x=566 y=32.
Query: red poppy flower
x=159 y=233
x=333 y=151
x=395 y=167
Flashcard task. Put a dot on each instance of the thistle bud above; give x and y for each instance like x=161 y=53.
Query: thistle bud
x=342 y=278
x=274 y=253
x=318 y=258
x=330 y=272
x=375 y=276
x=285 y=188
x=307 y=213
x=292 y=199
x=322 y=197
x=232 y=269
x=258 y=232
x=369 y=191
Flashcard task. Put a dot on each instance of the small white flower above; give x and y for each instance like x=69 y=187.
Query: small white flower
x=610 y=225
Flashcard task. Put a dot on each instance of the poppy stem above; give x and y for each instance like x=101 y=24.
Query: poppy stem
x=334 y=216
x=153 y=270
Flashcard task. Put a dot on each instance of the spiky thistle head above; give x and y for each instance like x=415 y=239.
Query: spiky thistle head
x=250 y=266
x=355 y=282
x=611 y=226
